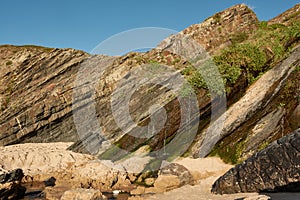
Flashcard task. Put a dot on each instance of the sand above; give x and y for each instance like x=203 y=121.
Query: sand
x=206 y=170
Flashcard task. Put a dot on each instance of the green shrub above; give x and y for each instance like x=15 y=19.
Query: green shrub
x=245 y=57
x=8 y=63
x=238 y=38
x=263 y=24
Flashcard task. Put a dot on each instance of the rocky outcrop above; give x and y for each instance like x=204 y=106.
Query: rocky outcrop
x=36 y=94
x=180 y=171
x=276 y=169
x=275 y=116
x=217 y=32
x=10 y=185
x=37 y=85
x=49 y=163
x=285 y=17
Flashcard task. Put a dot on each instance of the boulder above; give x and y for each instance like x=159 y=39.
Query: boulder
x=10 y=185
x=50 y=182
x=175 y=169
x=274 y=169
x=12 y=176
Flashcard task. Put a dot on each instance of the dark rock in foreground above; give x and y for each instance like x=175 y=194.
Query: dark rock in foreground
x=10 y=185
x=274 y=169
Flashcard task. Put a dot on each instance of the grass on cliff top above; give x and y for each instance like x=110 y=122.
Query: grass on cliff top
x=251 y=55
x=29 y=47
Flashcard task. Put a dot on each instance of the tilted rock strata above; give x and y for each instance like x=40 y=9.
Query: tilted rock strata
x=257 y=97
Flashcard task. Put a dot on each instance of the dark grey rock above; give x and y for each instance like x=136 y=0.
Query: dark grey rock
x=10 y=185
x=274 y=169
x=50 y=182
x=15 y=175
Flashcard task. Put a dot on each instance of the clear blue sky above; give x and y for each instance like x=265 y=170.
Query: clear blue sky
x=84 y=24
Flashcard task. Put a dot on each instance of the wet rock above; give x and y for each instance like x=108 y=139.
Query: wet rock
x=10 y=185
x=275 y=169
x=50 y=182
x=14 y=175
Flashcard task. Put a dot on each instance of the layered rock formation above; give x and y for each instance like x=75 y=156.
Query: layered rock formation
x=256 y=101
x=45 y=97
x=276 y=169
x=217 y=32
x=37 y=85
x=36 y=94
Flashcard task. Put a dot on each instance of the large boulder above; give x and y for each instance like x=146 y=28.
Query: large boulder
x=49 y=162
x=275 y=169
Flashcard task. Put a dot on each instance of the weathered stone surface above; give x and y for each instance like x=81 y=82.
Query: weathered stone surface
x=166 y=182
x=180 y=171
x=41 y=161
x=215 y=32
x=295 y=118
x=276 y=168
x=79 y=193
x=37 y=87
x=36 y=94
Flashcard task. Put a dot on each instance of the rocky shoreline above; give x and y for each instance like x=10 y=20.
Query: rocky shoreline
x=245 y=136
x=51 y=172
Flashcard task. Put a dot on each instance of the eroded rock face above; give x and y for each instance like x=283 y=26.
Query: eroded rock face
x=257 y=116
x=40 y=162
x=217 y=31
x=37 y=85
x=36 y=94
x=276 y=168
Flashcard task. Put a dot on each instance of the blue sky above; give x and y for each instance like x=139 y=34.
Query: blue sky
x=84 y=24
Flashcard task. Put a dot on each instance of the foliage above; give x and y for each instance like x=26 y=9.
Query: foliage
x=238 y=38
x=240 y=57
x=205 y=76
x=8 y=63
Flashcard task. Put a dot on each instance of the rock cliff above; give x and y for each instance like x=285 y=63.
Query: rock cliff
x=258 y=64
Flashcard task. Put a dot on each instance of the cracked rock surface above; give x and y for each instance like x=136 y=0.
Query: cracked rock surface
x=275 y=169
